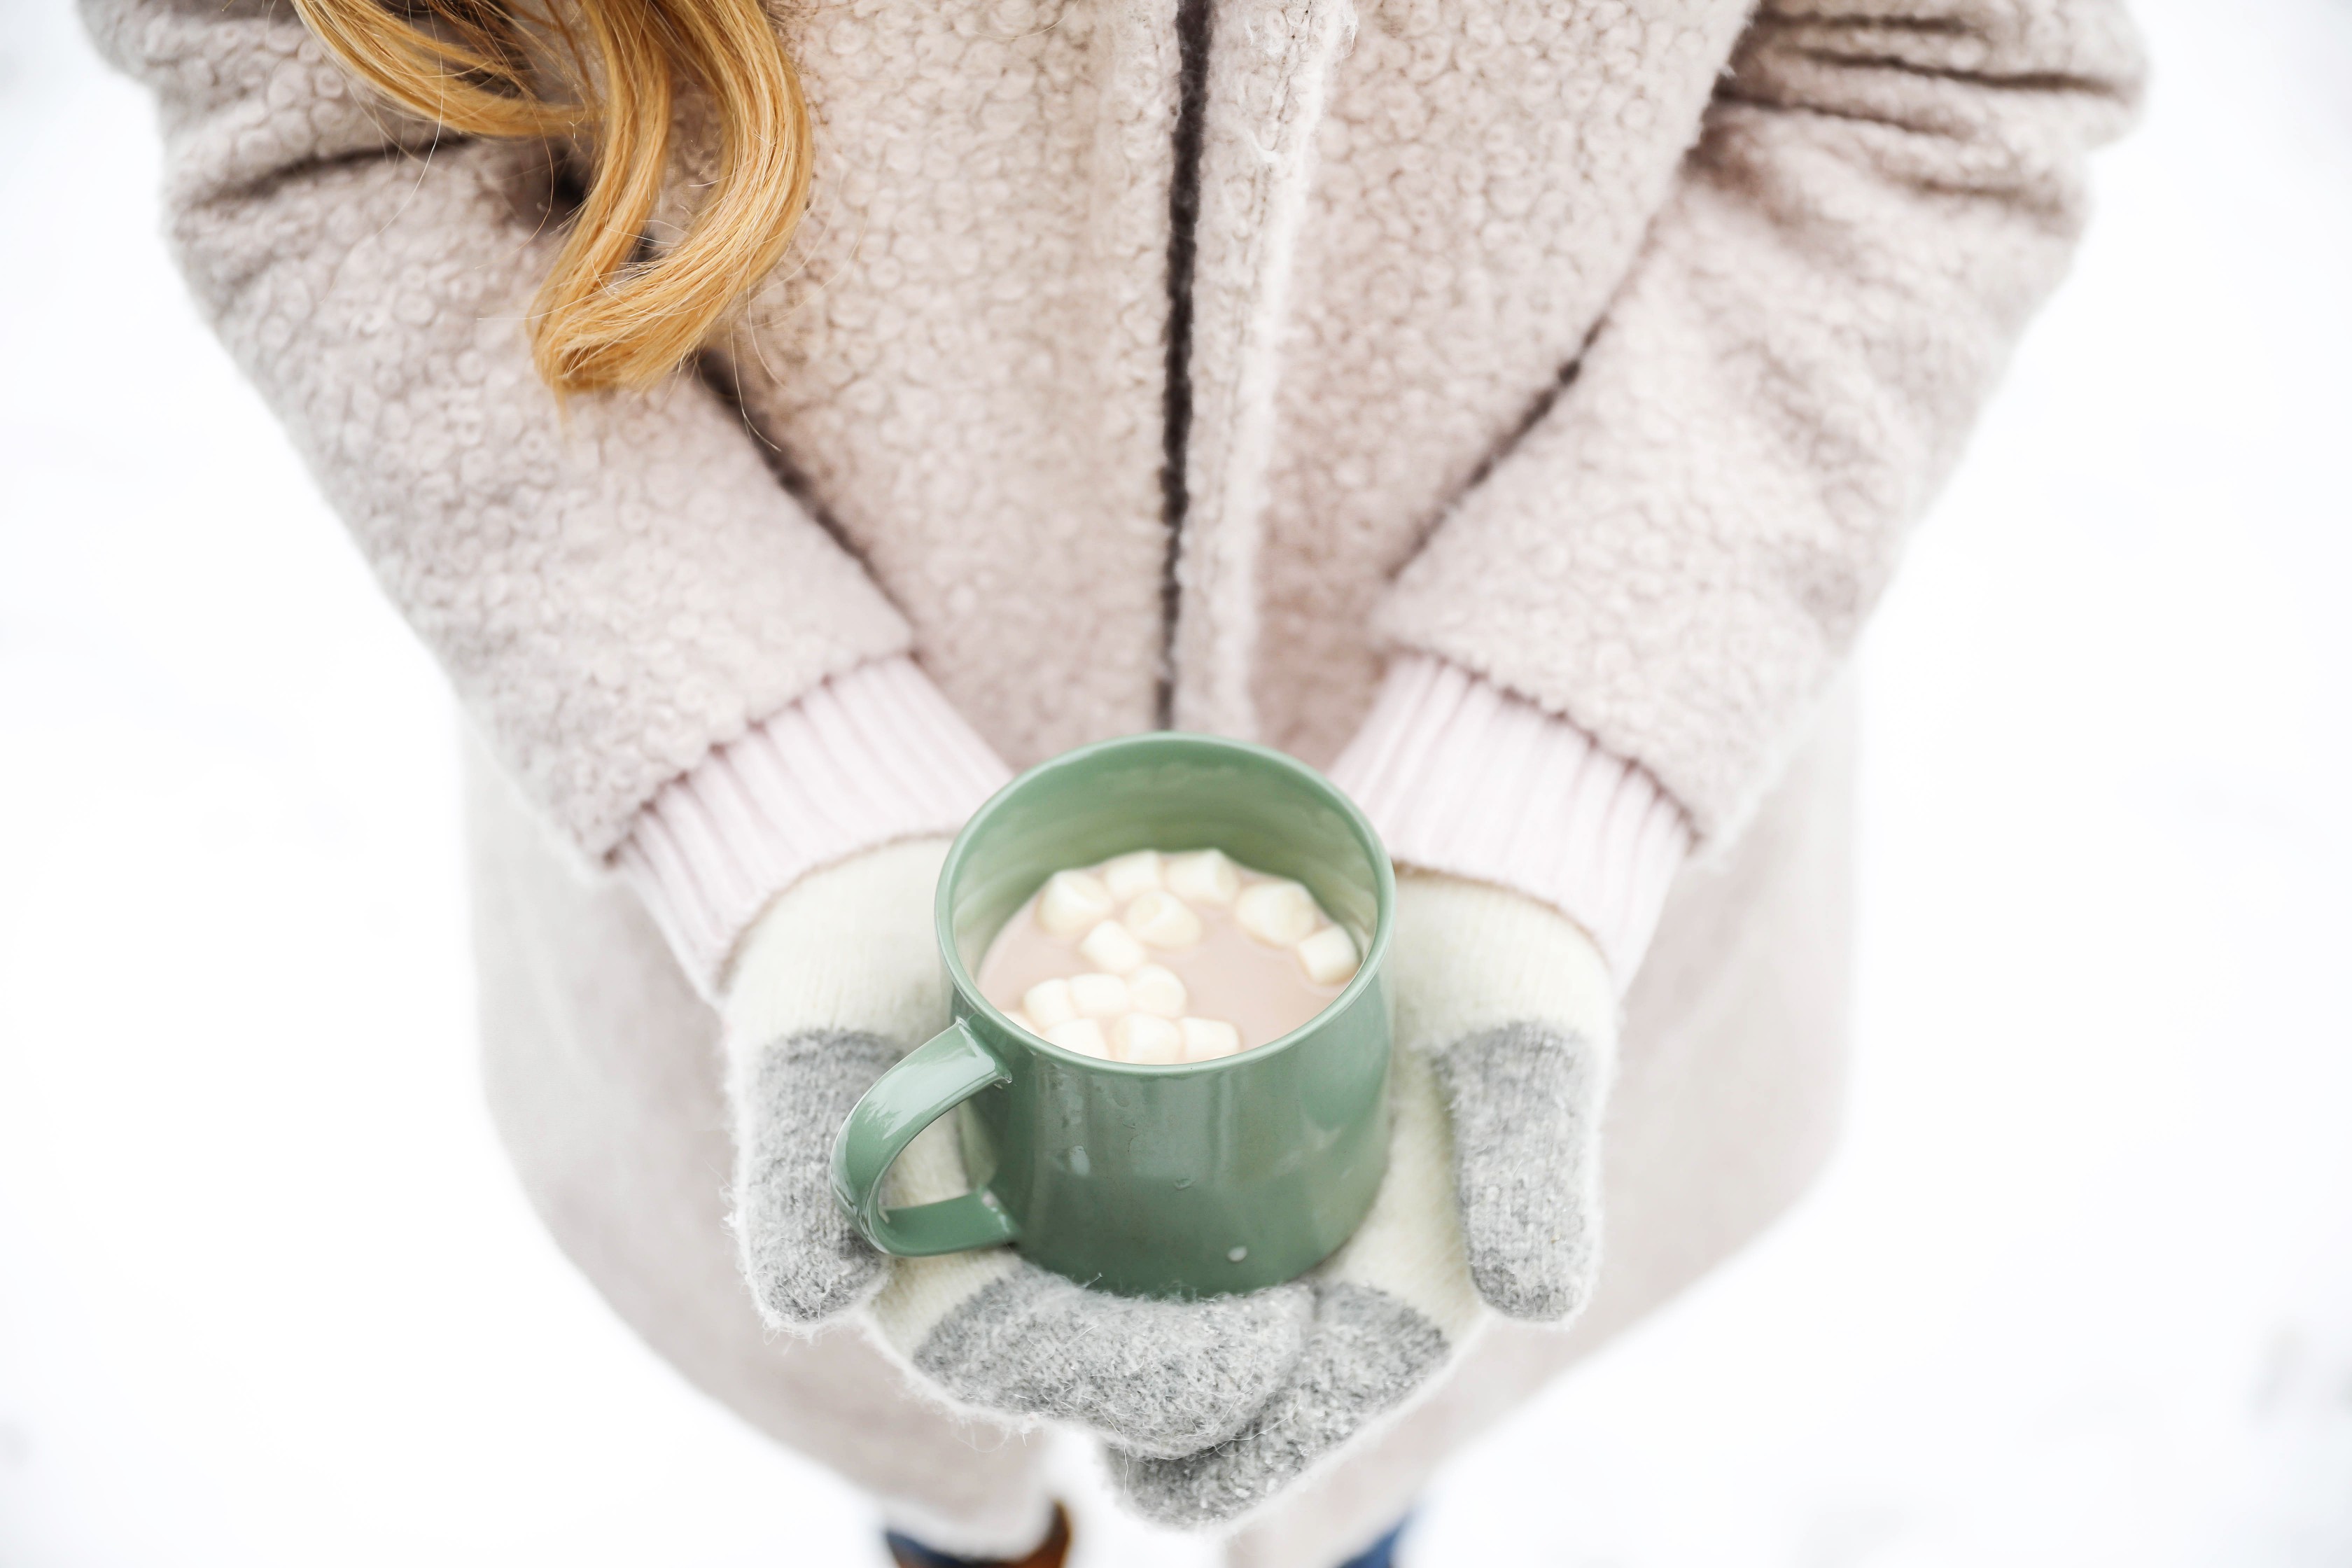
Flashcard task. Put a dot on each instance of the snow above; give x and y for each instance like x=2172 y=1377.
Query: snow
x=2076 y=1291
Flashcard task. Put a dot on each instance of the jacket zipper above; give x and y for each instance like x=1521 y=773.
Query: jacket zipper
x=1193 y=18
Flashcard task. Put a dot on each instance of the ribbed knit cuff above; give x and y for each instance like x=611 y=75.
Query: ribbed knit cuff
x=1462 y=777
x=869 y=757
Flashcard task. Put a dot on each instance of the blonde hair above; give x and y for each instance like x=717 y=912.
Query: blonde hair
x=608 y=315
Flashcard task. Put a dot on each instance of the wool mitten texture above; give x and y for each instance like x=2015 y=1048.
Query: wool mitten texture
x=1506 y=1044
x=833 y=984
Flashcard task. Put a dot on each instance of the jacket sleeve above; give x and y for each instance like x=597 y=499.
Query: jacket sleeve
x=1678 y=553
x=614 y=588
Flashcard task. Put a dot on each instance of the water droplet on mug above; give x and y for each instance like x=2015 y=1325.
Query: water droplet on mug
x=1184 y=1182
x=1237 y=1254
x=1079 y=1165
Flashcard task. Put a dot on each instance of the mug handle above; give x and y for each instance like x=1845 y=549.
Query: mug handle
x=920 y=1088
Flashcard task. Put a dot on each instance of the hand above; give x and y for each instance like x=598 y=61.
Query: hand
x=838 y=980
x=1507 y=1038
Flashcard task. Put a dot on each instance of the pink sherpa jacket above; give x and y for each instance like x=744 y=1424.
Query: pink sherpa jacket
x=1575 y=367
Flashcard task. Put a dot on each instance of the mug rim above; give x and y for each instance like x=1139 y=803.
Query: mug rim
x=1383 y=897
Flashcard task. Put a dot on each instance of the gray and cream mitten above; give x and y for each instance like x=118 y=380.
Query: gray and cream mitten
x=1505 y=1042
x=835 y=981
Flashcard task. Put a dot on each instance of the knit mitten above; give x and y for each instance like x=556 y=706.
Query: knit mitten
x=1506 y=1041
x=835 y=981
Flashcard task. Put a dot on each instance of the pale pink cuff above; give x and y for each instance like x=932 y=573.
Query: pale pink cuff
x=1460 y=777
x=870 y=757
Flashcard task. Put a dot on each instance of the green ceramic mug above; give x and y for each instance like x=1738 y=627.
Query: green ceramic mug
x=1184 y=1180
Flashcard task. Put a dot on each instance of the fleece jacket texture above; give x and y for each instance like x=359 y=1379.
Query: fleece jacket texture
x=1606 y=351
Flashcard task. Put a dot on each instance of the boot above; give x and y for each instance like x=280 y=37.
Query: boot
x=1051 y=1552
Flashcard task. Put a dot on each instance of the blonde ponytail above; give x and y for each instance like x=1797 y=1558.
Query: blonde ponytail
x=607 y=316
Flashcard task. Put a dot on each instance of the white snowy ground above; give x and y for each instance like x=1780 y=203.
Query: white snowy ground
x=2078 y=1293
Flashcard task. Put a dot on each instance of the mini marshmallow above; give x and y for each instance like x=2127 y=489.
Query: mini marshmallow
x=1163 y=919
x=1206 y=1039
x=1329 y=956
x=1156 y=991
x=1073 y=902
x=1048 y=1003
x=1108 y=947
x=1098 y=995
x=1276 y=913
x=1140 y=1037
x=1203 y=876
x=1132 y=874
x=1083 y=1036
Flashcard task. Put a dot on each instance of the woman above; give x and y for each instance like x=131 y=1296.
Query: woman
x=781 y=426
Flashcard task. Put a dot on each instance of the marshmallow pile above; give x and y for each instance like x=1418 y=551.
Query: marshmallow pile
x=1131 y=1009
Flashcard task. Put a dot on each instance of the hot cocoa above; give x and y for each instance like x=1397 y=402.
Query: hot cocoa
x=1167 y=957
